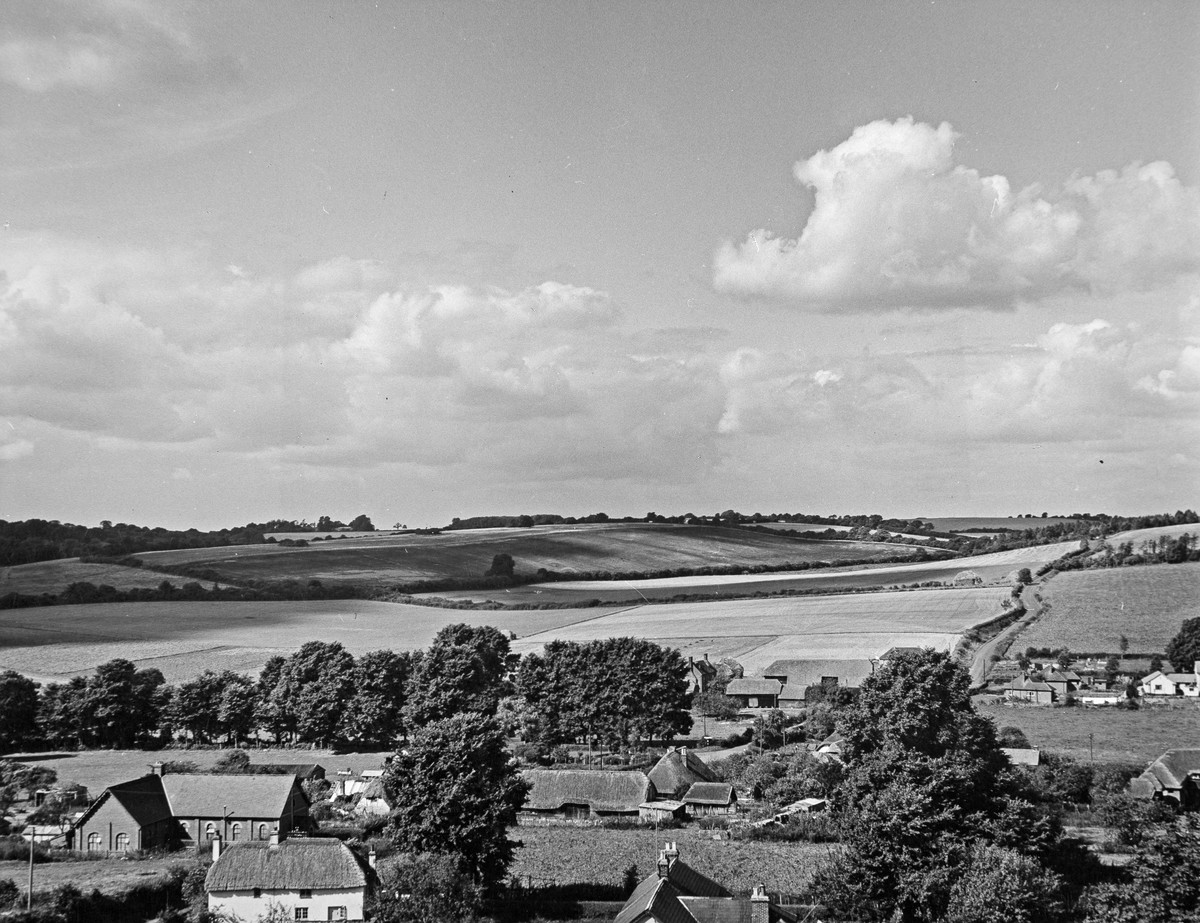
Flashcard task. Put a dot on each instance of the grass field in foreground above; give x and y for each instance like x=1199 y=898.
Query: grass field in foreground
x=567 y=855
x=1117 y=735
x=109 y=876
x=56 y=576
x=618 y=548
x=1091 y=609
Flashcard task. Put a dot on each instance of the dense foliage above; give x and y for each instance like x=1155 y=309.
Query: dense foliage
x=1184 y=649
x=41 y=540
x=616 y=691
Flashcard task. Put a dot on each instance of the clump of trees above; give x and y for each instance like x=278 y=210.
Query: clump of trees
x=617 y=691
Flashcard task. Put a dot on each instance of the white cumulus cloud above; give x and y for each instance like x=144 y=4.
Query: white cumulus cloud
x=897 y=223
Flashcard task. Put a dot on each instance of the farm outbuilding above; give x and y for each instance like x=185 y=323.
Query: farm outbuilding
x=661 y=811
x=755 y=693
x=705 y=798
x=374 y=801
x=1174 y=775
x=579 y=794
x=798 y=675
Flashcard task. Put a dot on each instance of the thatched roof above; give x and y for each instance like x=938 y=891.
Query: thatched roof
x=375 y=790
x=234 y=796
x=713 y=793
x=849 y=674
x=1168 y=772
x=677 y=771
x=316 y=863
x=600 y=790
x=753 y=687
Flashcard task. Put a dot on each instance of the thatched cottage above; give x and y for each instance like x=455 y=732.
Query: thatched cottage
x=584 y=793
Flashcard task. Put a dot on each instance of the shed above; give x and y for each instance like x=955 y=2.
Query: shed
x=705 y=798
x=847 y=674
x=1174 y=775
x=662 y=810
x=754 y=693
x=374 y=801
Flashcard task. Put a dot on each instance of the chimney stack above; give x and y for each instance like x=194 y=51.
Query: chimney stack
x=667 y=858
x=216 y=848
x=274 y=841
x=157 y=768
x=371 y=857
x=760 y=905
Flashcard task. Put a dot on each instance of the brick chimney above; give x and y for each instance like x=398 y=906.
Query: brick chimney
x=216 y=848
x=760 y=905
x=274 y=840
x=667 y=858
x=157 y=767
x=371 y=857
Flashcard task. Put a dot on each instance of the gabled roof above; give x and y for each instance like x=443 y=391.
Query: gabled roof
x=143 y=799
x=1024 y=684
x=240 y=795
x=1173 y=767
x=716 y=793
x=677 y=770
x=599 y=789
x=793 y=693
x=849 y=673
x=686 y=896
x=316 y=863
x=753 y=687
x=375 y=790
x=1061 y=676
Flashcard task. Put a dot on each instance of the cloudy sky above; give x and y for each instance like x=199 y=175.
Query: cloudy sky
x=424 y=260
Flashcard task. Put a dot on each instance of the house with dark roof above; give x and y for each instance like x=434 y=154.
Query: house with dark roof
x=1063 y=682
x=1024 y=689
x=307 y=878
x=677 y=893
x=579 y=794
x=754 y=693
x=190 y=809
x=1174 y=775
x=705 y=798
x=701 y=674
x=677 y=771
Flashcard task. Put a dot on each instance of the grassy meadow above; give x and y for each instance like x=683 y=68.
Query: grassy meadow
x=1113 y=734
x=1091 y=609
x=55 y=576
x=386 y=560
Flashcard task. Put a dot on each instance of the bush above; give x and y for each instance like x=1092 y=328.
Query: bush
x=15 y=848
x=10 y=894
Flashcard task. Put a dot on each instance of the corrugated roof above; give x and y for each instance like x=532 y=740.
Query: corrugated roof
x=211 y=795
x=677 y=770
x=314 y=863
x=599 y=789
x=753 y=687
x=717 y=793
x=849 y=673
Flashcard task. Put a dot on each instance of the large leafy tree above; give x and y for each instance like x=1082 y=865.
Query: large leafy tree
x=618 y=691
x=313 y=688
x=1162 y=883
x=926 y=785
x=456 y=792
x=1184 y=649
x=373 y=716
x=463 y=670
x=18 y=710
x=122 y=705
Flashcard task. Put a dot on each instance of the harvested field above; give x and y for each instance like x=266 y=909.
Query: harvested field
x=98 y=769
x=758 y=631
x=1116 y=735
x=184 y=638
x=568 y=855
x=1091 y=609
x=386 y=560
x=55 y=576
x=995 y=568
x=993 y=523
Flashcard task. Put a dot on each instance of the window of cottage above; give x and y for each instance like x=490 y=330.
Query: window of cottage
x=301 y=913
x=337 y=913
x=305 y=894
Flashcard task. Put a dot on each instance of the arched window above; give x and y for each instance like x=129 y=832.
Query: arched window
x=122 y=842
x=262 y=831
x=210 y=831
x=94 y=841
x=235 y=832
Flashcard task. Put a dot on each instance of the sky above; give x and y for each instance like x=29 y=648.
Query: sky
x=423 y=260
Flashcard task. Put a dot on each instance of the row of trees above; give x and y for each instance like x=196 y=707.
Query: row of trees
x=615 y=691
